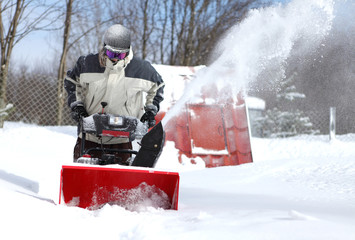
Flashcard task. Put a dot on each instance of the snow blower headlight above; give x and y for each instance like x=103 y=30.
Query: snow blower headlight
x=116 y=121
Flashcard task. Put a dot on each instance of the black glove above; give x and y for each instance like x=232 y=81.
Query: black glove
x=78 y=111
x=149 y=115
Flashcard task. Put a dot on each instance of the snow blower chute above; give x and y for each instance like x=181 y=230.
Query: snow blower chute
x=92 y=182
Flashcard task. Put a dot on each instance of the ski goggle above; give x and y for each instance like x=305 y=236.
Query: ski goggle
x=117 y=55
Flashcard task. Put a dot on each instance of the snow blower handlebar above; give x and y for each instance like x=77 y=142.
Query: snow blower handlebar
x=83 y=136
x=83 y=132
x=117 y=126
x=109 y=125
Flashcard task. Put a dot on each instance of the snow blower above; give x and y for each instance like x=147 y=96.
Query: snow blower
x=92 y=182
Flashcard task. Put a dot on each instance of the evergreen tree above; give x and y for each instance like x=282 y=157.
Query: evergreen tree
x=285 y=123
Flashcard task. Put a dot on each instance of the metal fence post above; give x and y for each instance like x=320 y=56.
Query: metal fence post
x=332 y=120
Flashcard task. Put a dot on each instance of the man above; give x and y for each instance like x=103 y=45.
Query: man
x=117 y=77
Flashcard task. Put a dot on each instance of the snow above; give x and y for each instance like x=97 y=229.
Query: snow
x=295 y=189
x=255 y=103
x=180 y=76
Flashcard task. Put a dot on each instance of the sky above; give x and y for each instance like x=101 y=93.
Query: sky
x=35 y=47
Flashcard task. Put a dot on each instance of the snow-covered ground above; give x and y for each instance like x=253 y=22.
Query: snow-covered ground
x=295 y=189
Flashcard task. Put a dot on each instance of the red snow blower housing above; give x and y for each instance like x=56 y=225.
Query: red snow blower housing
x=92 y=182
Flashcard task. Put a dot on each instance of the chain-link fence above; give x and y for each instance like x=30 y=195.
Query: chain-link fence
x=318 y=122
x=35 y=100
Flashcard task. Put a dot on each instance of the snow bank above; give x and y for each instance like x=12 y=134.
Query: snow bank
x=295 y=189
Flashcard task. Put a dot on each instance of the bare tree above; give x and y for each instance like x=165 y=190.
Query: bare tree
x=16 y=22
x=201 y=24
x=145 y=28
x=175 y=32
x=83 y=30
x=88 y=24
x=62 y=65
x=172 y=30
x=144 y=23
x=184 y=32
x=164 y=19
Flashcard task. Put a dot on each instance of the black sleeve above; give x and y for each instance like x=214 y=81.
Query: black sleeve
x=159 y=97
x=155 y=77
x=70 y=88
x=73 y=74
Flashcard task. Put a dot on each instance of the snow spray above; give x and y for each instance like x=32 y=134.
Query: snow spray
x=262 y=42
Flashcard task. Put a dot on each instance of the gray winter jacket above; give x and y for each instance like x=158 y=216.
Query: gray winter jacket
x=122 y=86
